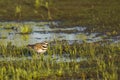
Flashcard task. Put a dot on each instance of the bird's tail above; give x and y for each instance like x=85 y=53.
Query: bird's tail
x=30 y=46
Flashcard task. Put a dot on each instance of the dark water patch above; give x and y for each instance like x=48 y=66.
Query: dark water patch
x=58 y=31
x=20 y=33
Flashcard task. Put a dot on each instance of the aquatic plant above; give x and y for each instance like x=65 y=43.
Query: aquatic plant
x=25 y=29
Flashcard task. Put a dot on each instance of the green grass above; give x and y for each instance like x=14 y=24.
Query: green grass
x=25 y=29
x=102 y=62
x=98 y=16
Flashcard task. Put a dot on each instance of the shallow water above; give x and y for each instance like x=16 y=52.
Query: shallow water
x=42 y=31
x=55 y=58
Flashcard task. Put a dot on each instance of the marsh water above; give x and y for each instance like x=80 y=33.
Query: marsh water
x=47 y=31
x=42 y=31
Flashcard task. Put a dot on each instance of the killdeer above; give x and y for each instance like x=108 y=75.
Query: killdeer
x=39 y=47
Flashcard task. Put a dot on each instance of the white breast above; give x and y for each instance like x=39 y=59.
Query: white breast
x=41 y=51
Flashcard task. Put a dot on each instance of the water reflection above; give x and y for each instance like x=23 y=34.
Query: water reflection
x=42 y=31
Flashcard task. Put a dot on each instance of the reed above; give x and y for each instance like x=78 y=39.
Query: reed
x=18 y=11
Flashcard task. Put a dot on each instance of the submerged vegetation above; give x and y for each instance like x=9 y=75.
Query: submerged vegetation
x=101 y=62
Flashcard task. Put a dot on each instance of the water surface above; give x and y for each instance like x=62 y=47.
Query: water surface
x=42 y=31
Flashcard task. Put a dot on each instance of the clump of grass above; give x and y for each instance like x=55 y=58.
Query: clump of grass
x=44 y=5
x=99 y=63
x=102 y=58
x=18 y=11
x=38 y=3
x=25 y=29
x=10 y=50
x=49 y=13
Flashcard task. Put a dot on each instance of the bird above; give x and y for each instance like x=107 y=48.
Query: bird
x=39 y=47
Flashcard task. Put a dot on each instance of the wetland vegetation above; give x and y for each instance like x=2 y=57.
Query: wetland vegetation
x=83 y=37
x=99 y=62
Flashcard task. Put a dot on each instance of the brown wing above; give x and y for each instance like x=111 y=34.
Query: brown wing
x=38 y=46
